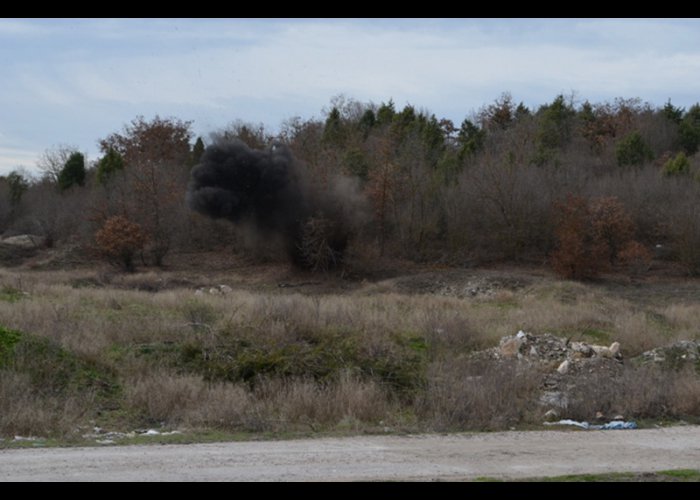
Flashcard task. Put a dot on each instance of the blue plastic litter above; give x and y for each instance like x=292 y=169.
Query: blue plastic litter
x=612 y=425
x=615 y=424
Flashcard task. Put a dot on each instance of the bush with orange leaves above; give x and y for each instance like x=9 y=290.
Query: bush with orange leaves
x=635 y=257
x=580 y=254
x=119 y=240
x=611 y=225
x=594 y=236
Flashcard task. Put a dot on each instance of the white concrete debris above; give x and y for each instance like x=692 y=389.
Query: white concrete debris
x=675 y=355
x=550 y=348
x=102 y=437
x=563 y=367
x=213 y=290
x=27 y=438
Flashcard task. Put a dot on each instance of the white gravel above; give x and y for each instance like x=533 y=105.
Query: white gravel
x=420 y=457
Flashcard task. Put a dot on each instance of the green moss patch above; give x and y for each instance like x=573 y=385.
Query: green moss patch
x=51 y=369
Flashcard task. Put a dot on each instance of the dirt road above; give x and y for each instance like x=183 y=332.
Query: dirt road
x=423 y=457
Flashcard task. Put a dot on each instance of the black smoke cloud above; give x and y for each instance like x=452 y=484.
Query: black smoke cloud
x=269 y=192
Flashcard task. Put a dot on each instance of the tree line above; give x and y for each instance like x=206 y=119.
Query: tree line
x=583 y=186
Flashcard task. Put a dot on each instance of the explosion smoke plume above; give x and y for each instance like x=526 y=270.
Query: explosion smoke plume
x=270 y=192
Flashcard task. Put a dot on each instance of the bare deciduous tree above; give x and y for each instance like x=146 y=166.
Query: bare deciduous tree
x=52 y=160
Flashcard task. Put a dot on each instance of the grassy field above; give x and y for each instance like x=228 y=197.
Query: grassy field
x=281 y=352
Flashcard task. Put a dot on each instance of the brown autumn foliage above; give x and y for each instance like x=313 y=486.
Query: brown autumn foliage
x=119 y=240
x=156 y=155
x=580 y=254
x=381 y=188
x=611 y=225
x=594 y=236
x=476 y=194
x=635 y=257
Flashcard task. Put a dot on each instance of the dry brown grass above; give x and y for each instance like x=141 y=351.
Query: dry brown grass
x=164 y=398
x=463 y=394
x=639 y=392
x=99 y=317
x=25 y=412
x=347 y=402
x=322 y=361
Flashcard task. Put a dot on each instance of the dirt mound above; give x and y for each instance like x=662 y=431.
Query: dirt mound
x=16 y=249
x=457 y=284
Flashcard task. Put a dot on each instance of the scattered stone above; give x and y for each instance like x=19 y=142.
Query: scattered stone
x=557 y=399
x=551 y=415
x=510 y=347
x=582 y=350
x=615 y=348
x=674 y=355
x=563 y=367
x=607 y=352
x=550 y=349
x=213 y=290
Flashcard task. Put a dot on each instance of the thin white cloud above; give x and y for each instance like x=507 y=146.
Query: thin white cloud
x=13 y=158
x=20 y=28
x=257 y=69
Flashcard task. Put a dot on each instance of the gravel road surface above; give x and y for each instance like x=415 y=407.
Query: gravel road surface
x=420 y=457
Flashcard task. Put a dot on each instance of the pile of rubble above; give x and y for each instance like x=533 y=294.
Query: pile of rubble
x=675 y=355
x=558 y=354
x=565 y=367
x=560 y=362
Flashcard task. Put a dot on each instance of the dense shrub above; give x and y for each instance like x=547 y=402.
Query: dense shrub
x=119 y=240
x=635 y=257
x=580 y=252
x=611 y=225
x=593 y=237
x=633 y=150
x=678 y=165
x=321 y=244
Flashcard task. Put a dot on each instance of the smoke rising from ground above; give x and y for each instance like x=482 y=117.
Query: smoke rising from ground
x=270 y=192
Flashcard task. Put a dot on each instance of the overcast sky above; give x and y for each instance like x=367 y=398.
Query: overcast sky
x=75 y=81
